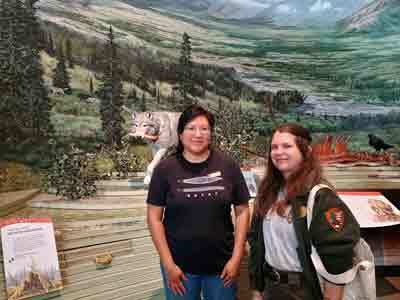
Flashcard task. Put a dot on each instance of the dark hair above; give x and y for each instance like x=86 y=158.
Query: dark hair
x=189 y=114
x=308 y=175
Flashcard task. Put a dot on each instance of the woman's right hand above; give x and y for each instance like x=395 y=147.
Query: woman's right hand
x=175 y=278
x=256 y=295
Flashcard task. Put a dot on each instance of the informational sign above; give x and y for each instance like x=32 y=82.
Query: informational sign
x=371 y=209
x=30 y=257
x=250 y=182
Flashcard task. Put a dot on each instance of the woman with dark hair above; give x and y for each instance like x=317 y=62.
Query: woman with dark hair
x=280 y=266
x=189 y=214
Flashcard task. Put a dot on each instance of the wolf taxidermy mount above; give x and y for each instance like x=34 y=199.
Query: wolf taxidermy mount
x=159 y=130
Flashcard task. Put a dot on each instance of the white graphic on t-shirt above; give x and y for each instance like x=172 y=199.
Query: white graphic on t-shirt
x=205 y=191
x=202 y=180
x=215 y=174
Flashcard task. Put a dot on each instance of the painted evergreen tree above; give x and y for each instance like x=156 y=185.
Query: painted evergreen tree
x=40 y=106
x=33 y=31
x=220 y=104
x=158 y=95
x=24 y=105
x=110 y=94
x=185 y=71
x=91 y=86
x=11 y=124
x=142 y=103
x=42 y=41
x=68 y=53
x=132 y=99
x=60 y=76
x=50 y=45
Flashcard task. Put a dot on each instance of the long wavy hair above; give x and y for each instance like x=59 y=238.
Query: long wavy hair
x=298 y=183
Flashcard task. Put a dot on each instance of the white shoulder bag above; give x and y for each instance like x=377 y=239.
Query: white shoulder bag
x=360 y=280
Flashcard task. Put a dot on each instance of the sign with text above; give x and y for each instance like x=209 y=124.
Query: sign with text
x=30 y=257
x=371 y=209
x=250 y=179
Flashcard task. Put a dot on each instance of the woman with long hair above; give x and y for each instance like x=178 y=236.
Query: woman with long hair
x=280 y=265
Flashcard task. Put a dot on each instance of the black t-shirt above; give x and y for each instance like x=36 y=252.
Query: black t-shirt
x=197 y=198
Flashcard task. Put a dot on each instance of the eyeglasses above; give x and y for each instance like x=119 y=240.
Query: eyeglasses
x=202 y=130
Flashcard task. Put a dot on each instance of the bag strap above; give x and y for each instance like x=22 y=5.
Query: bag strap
x=311 y=200
x=342 y=278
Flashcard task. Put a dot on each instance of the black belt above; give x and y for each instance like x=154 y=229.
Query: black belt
x=285 y=277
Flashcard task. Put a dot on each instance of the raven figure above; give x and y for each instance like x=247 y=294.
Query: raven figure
x=377 y=143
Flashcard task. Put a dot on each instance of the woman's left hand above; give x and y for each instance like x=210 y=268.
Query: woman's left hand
x=230 y=272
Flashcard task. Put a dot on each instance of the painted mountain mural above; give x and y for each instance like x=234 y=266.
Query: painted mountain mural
x=265 y=44
x=294 y=11
x=332 y=65
x=378 y=16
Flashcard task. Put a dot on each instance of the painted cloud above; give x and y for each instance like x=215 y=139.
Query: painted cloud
x=285 y=9
x=320 y=6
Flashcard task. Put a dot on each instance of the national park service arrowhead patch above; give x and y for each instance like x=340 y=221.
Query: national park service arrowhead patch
x=335 y=218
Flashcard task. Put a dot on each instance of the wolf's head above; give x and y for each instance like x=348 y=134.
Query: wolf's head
x=144 y=125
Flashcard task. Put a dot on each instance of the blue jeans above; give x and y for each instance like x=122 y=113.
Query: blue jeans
x=210 y=287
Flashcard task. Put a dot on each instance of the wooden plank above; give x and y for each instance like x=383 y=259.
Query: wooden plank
x=9 y=198
x=93 y=240
x=110 y=289
x=119 y=193
x=365 y=184
x=129 y=290
x=102 y=281
x=132 y=261
x=376 y=175
x=139 y=260
x=136 y=245
x=12 y=209
x=101 y=223
x=131 y=187
x=361 y=168
x=81 y=234
x=13 y=201
x=116 y=255
x=152 y=294
x=88 y=204
x=138 y=177
x=93 y=250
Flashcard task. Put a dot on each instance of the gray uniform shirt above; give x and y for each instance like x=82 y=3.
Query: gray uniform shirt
x=280 y=241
